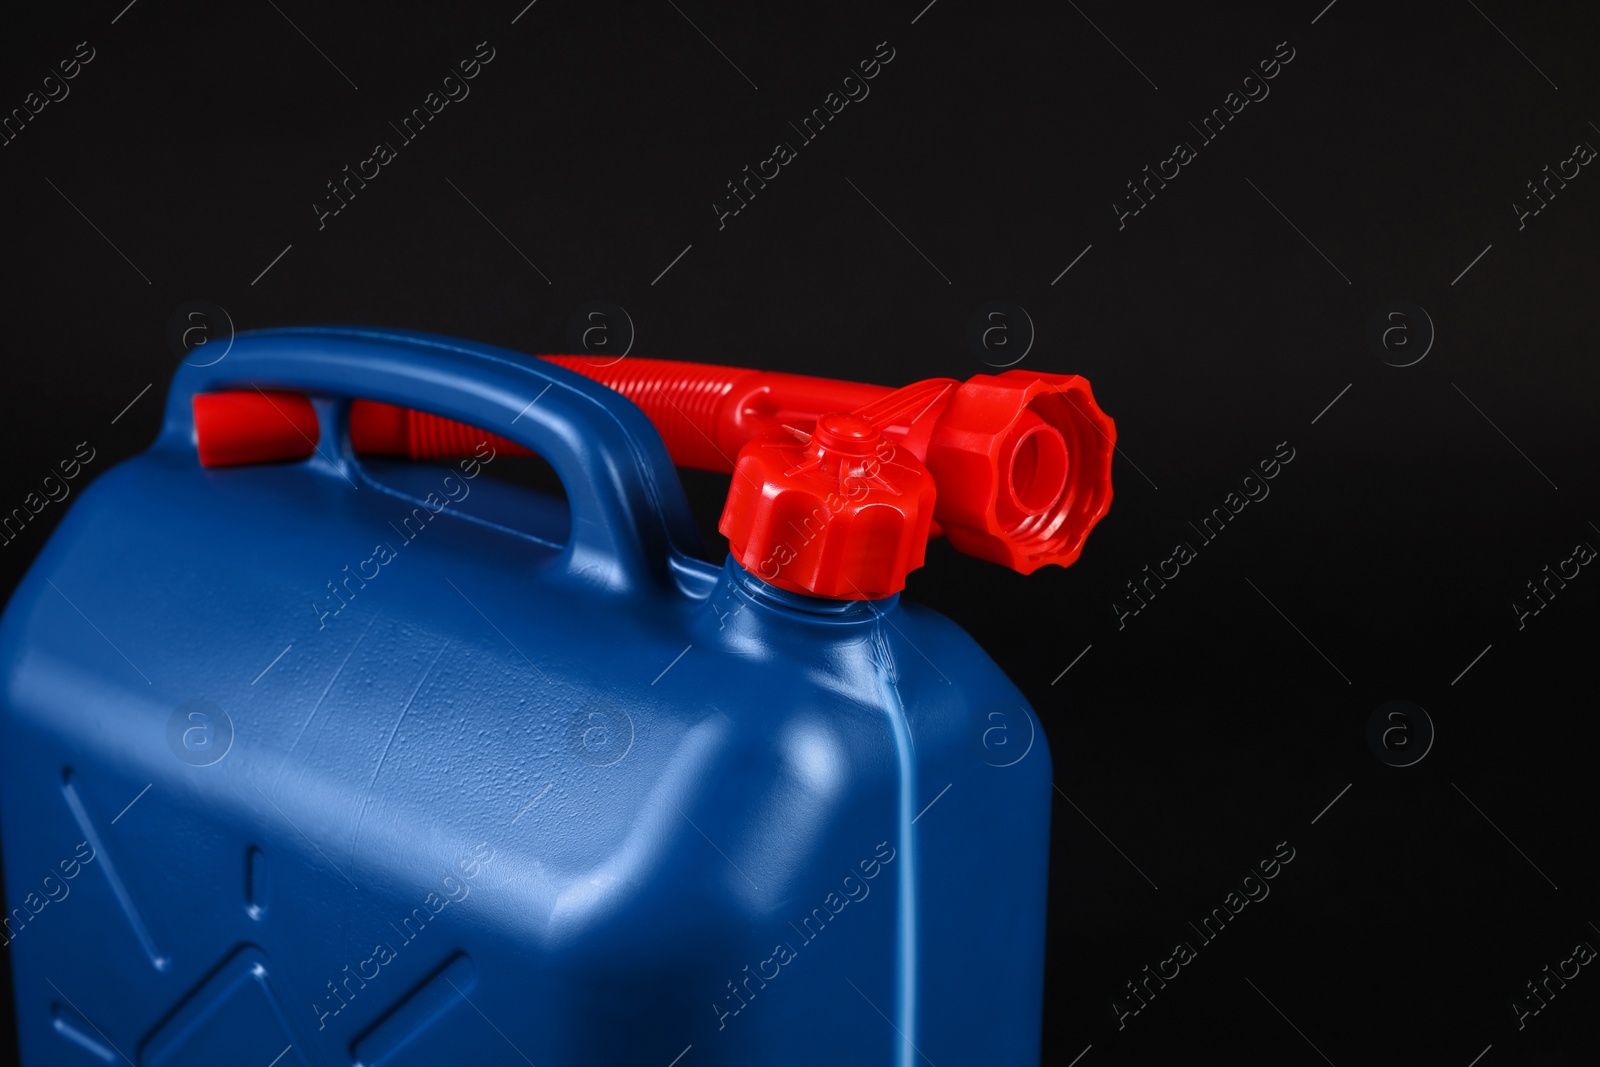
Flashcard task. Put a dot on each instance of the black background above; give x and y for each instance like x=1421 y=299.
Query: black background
x=1227 y=715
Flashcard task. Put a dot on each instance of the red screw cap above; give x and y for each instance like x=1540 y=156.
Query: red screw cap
x=838 y=512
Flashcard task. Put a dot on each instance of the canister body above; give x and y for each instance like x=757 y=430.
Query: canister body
x=300 y=763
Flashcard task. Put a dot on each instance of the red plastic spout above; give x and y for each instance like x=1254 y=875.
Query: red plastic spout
x=1021 y=461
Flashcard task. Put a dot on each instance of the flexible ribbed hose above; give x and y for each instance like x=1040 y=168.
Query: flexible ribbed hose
x=683 y=400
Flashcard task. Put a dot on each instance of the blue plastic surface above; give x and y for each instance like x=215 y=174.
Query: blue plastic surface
x=492 y=800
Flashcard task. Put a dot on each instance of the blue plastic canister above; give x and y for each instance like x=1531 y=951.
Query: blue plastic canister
x=522 y=784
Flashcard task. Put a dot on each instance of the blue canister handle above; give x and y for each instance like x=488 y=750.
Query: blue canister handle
x=629 y=515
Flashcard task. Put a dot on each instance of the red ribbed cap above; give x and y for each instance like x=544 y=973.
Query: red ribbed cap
x=837 y=511
x=1023 y=461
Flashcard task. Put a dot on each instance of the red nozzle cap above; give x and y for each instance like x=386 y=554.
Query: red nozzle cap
x=253 y=426
x=836 y=512
x=1023 y=463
